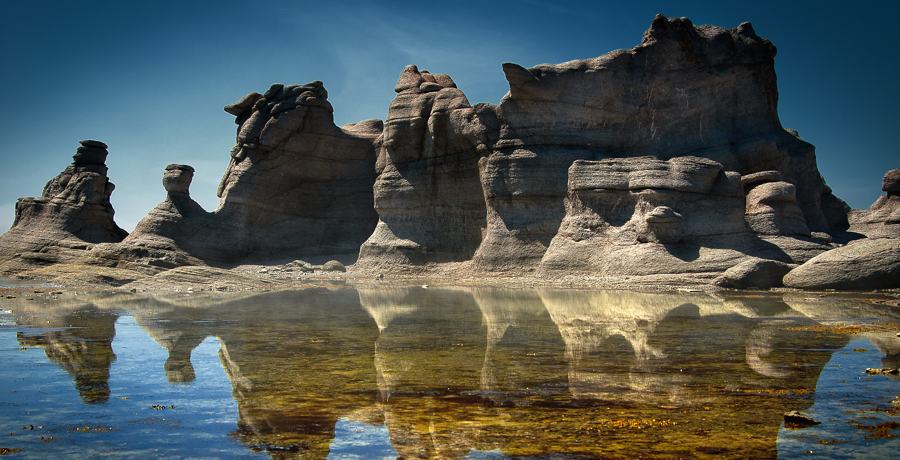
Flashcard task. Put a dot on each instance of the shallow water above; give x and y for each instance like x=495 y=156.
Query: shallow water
x=447 y=373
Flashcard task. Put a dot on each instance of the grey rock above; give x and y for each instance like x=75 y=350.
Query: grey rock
x=428 y=195
x=891 y=182
x=753 y=179
x=90 y=143
x=772 y=209
x=244 y=104
x=333 y=266
x=297 y=185
x=882 y=219
x=661 y=225
x=91 y=153
x=754 y=274
x=557 y=114
x=861 y=265
x=687 y=213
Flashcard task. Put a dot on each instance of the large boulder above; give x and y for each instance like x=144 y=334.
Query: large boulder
x=861 y=265
x=882 y=219
x=71 y=216
x=754 y=274
x=427 y=195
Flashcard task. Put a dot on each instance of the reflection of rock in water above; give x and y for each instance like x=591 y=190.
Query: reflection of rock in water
x=854 y=308
x=177 y=332
x=443 y=327
x=606 y=325
x=517 y=317
x=298 y=361
x=83 y=349
x=521 y=372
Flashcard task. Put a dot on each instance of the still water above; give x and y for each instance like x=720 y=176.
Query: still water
x=341 y=372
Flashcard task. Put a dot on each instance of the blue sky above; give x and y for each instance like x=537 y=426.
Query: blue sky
x=150 y=78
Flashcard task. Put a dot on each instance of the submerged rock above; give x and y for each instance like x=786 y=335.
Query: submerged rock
x=797 y=419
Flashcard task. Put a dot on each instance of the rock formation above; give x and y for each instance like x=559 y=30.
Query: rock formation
x=869 y=263
x=170 y=235
x=771 y=207
x=643 y=216
x=428 y=195
x=664 y=160
x=72 y=215
x=860 y=265
x=297 y=185
x=754 y=274
x=882 y=219
x=703 y=91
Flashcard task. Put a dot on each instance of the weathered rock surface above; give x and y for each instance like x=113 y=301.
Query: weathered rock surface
x=664 y=160
x=428 y=195
x=754 y=274
x=703 y=91
x=642 y=216
x=882 y=219
x=862 y=264
x=297 y=185
x=73 y=214
x=178 y=231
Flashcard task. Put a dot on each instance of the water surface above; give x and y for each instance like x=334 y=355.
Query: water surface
x=446 y=373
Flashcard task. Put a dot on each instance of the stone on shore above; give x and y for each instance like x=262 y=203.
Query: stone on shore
x=861 y=265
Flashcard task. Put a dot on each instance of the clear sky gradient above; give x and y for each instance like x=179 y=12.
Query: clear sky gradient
x=150 y=78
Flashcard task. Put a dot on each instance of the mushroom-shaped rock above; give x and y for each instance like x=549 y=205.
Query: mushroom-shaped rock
x=891 y=182
x=177 y=178
x=91 y=152
x=772 y=210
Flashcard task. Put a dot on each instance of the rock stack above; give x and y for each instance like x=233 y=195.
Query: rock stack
x=73 y=214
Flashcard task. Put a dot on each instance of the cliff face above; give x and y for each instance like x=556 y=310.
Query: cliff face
x=664 y=159
x=685 y=90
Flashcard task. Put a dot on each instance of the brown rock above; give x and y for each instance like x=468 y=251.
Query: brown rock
x=73 y=214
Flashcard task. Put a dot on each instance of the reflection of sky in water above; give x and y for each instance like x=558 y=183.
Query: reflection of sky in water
x=36 y=392
x=843 y=392
x=354 y=439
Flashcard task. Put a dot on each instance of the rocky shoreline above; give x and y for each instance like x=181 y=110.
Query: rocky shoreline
x=663 y=166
